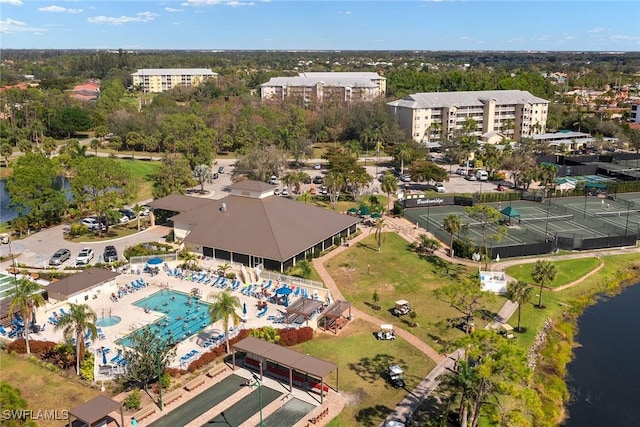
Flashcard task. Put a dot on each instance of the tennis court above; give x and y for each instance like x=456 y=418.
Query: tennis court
x=539 y=227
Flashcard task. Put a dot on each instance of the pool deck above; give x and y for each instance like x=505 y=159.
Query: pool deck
x=134 y=317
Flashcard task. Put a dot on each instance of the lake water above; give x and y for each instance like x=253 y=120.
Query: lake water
x=604 y=377
x=8 y=213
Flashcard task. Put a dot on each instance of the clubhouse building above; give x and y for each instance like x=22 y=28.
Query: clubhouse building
x=253 y=226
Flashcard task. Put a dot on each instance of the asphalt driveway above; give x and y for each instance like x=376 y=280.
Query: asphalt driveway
x=36 y=249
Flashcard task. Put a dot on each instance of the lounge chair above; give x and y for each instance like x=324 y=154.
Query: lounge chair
x=64 y=313
x=2 y=331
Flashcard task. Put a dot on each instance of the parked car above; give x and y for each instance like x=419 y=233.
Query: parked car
x=405 y=178
x=317 y=166
x=285 y=192
x=84 y=257
x=276 y=191
x=91 y=223
x=128 y=213
x=60 y=256
x=470 y=178
x=221 y=170
x=216 y=175
x=146 y=210
x=110 y=254
x=440 y=187
x=318 y=180
x=273 y=180
x=461 y=171
x=482 y=175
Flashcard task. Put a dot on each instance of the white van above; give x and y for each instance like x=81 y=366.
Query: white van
x=482 y=175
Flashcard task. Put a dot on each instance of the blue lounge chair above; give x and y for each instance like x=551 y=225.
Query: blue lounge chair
x=2 y=331
x=64 y=313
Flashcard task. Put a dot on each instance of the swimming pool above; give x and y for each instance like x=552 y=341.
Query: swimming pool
x=184 y=316
x=105 y=322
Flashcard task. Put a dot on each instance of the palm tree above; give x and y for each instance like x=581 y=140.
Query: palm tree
x=352 y=149
x=452 y=225
x=25 y=297
x=378 y=148
x=223 y=269
x=379 y=234
x=224 y=307
x=389 y=185
x=403 y=153
x=519 y=292
x=80 y=319
x=543 y=273
x=462 y=384
x=137 y=209
x=95 y=144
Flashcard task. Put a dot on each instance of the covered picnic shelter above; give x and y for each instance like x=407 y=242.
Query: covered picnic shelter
x=293 y=361
x=302 y=309
x=333 y=317
x=96 y=410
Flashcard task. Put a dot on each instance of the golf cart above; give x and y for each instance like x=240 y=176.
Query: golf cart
x=396 y=376
x=506 y=331
x=402 y=307
x=386 y=332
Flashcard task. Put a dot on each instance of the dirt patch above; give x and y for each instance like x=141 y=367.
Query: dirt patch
x=354 y=399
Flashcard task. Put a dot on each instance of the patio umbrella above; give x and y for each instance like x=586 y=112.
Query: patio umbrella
x=365 y=211
x=104 y=357
x=244 y=308
x=510 y=212
x=376 y=215
x=155 y=261
x=284 y=291
x=352 y=211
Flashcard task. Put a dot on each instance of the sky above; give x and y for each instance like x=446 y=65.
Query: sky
x=513 y=25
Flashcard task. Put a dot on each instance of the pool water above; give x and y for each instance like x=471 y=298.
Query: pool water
x=184 y=316
x=105 y=322
x=289 y=414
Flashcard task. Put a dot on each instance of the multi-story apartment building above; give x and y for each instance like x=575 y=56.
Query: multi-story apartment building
x=434 y=116
x=155 y=80
x=634 y=115
x=318 y=88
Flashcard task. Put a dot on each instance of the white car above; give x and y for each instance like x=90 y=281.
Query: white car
x=285 y=192
x=317 y=166
x=91 y=223
x=84 y=257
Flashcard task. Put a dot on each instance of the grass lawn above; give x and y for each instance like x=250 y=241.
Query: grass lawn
x=142 y=170
x=114 y=232
x=363 y=362
x=43 y=389
x=343 y=205
x=568 y=270
x=558 y=302
x=398 y=273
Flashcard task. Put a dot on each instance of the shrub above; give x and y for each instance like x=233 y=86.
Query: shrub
x=86 y=371
x=149 y=248
x=231 y=275
x=77 y=229
x=289 y=337
x=133 y=399
x=175 y=372
x=40 y=348
x=463 y=248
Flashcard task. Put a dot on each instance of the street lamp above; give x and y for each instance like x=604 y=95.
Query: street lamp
x=259 y=385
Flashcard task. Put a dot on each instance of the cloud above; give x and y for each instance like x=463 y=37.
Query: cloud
x=12 y=2
x=112 y=20
x=172 y=10
x=596 y=30
x=9 y=25
x=232 y=3
x=345 y=12
x=59 y=9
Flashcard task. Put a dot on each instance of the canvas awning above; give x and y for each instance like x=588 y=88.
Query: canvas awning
x=510 y=212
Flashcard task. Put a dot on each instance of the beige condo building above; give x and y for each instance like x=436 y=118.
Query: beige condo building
x=434 y=116
x=323 y=87
x=156 y=80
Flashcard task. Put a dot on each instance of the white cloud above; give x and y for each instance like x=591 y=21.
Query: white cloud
x=172 y=10
x=596 y=30
x=12 y=2
x=239 y=3
x=9 y=25
x=345 y=12
x=140 y=17
x=59 y=9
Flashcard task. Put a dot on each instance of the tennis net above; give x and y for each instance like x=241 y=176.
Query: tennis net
x=532 y=219
x=609 y=214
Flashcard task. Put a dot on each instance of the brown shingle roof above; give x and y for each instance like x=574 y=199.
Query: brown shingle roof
x=95 y=409
x=79 y=282
x=179 y=203
x=273 y=227
x=251 y=185
x=302 y=362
